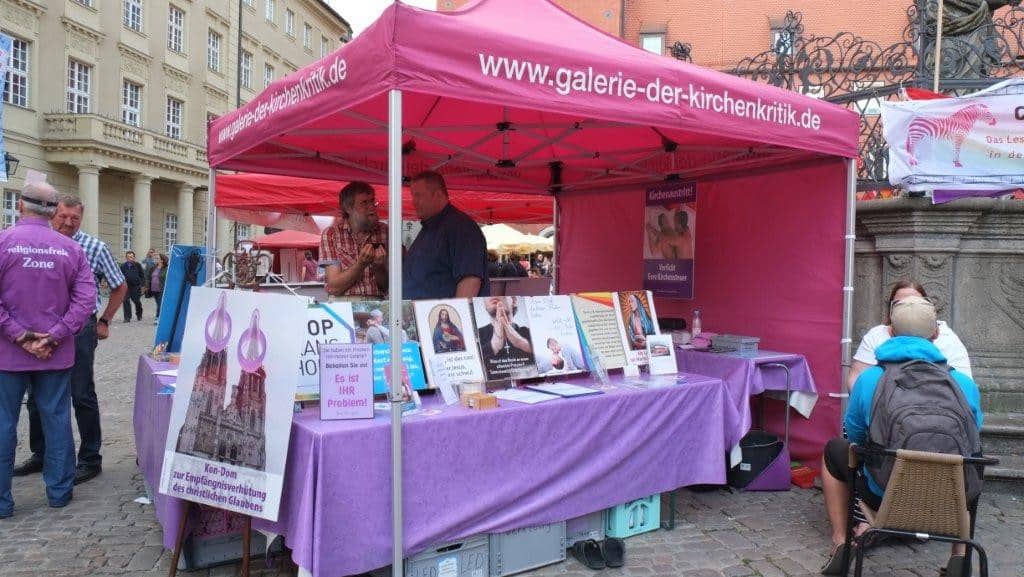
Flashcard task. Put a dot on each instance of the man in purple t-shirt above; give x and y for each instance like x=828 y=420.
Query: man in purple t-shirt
x=47 y=292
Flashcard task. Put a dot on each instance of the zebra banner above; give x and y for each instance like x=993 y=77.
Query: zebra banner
x=974 y=142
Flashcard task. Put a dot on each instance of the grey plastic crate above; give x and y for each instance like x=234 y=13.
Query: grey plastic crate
x=203 y=552
x=520 y=550
x=466 y=558
x=586 y=527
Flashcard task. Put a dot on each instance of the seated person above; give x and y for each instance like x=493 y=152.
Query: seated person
x=914 y=331
x=947 y=342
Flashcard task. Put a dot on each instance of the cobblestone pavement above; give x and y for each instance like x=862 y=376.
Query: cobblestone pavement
x=104 y=532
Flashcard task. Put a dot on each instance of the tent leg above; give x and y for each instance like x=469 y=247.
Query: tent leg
x=211 y=226
x=850 y=237
x=395 y=291
x=554 y=254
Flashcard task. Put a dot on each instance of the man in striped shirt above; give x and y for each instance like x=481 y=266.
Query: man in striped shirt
x=67 y=221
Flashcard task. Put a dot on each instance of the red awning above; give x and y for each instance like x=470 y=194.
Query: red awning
x=288 y=239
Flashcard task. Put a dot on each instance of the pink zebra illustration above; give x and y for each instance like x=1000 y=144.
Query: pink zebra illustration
x=954 y=127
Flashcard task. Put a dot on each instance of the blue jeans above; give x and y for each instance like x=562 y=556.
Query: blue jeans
x=52 y=396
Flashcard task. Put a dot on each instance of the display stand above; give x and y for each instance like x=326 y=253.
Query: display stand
x=180 y=541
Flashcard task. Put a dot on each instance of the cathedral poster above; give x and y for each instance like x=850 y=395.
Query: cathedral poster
x=228 y=436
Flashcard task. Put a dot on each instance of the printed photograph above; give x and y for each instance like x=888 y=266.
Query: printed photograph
x=637 y=319
x=447 y=330
x=504 y=334
x=669 y=232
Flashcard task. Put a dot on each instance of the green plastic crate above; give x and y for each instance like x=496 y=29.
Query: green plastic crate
x=633 y=517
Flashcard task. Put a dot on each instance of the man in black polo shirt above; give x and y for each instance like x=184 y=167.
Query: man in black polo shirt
x=449 y=256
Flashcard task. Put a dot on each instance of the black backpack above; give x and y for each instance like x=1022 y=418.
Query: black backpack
x=919 y=406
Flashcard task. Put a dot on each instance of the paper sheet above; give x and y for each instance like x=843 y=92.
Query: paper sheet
x=523 y=396
x=564 y=389
x=166 y=373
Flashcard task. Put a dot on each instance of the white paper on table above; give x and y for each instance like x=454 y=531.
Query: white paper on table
x=521 y=396
x=443 y=382
x=661 y=355
x=166 y=373
x=631 y=370
x=564 y=389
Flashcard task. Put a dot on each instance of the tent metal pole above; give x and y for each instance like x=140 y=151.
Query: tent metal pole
x=395 y=291
x=850 y=237
x=554 y=253
x=211 y=226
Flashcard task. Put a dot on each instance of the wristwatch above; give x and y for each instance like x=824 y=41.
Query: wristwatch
x=104 y=321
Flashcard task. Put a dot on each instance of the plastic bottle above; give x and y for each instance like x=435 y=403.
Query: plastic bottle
x=599 y=370
x=695 y=327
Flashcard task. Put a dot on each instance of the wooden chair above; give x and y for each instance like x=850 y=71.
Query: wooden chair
x=925 y=498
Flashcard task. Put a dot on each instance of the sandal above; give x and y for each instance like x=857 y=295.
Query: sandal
x=589 y=553
x=835 y=564
x=613 y=551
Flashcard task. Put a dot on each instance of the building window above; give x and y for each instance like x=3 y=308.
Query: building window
x=872 y=105
x=16 y=82
x=325 y=46
x=289 y=23
x=783 y=41
x=307 y=36
x=78 y=87
x=10 y=208
x=249 y=3
x=241 y=232
x=85 y=3
x=175 y=29
x=175 y=108
x=133 y=14
x=268 y=75
x=170 y=231
x=269 y=10
x=127 y=227
x=246 y=69
x=213 y=51
x=131 y=103
x=653 y=43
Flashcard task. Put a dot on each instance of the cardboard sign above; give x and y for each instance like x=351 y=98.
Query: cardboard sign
x=346 y=381
x=325 y=323
x=410 y=358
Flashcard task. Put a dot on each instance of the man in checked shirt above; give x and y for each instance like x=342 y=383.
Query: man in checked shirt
x=354 y=248
x=67 y=221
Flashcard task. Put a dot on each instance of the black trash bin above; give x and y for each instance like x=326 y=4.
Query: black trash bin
x=760 y=449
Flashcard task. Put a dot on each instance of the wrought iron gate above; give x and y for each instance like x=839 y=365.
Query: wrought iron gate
x=979 y=48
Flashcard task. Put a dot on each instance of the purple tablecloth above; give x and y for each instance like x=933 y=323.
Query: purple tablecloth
x=745 y=376
x=470 y=472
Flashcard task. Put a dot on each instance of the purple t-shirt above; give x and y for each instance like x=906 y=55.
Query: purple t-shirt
x=154 y=281
x=46 y=286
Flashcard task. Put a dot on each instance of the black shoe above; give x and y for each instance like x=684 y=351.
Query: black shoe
x=589 y=554
x=614 y=552
x=29 y=467
x=85 y=472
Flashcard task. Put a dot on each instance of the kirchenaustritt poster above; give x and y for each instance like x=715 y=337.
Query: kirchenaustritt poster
x=504 y=331
x=556 y=343
x=449 y=336
x=227 y=440
x=670 y=215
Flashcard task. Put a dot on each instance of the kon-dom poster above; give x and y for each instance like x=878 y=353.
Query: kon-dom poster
x=670 y=214
x=227 y=440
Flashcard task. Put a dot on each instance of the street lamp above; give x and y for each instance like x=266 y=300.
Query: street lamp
x=11 y=164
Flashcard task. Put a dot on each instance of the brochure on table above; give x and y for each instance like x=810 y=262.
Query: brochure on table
x=227 y=439
x=449 y=335
x=599 y=325
x=662 y=355
x=636 y=321
x=556 y=342
x=503 y=328
x=346 y=381
x=326 y=323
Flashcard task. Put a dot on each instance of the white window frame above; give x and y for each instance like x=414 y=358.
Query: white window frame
x=213 y=39
x=241 y=231
x=269 y=7
x=170 y=230
x=325 y=46
x=132 y=17
x=247 y=69
x=868 y=106
x=131 y=102
x=651 y=41
x=85 y=3
x=268 y=75
x=10 y=208
x=249 y=3
x=79 y=87
x=289 y=23
x=307 y=36
x=17 y=74
x=175 y=118
x=175 y=29
x=127 y=228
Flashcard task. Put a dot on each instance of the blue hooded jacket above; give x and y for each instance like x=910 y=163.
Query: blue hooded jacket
x=897 y=349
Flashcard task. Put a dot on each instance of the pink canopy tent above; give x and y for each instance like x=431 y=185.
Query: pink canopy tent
x=523 y=97
x=290 y=202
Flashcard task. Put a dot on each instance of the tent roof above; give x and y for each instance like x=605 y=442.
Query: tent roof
x=288 y=239
x=265 y=193
x=520 y=97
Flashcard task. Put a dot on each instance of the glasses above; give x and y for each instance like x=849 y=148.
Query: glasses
x=368 y=203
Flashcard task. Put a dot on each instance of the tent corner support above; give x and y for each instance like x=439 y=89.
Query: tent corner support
x=395 y=301
x=848 y=246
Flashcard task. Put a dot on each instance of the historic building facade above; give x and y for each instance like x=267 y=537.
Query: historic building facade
x=110 y=99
